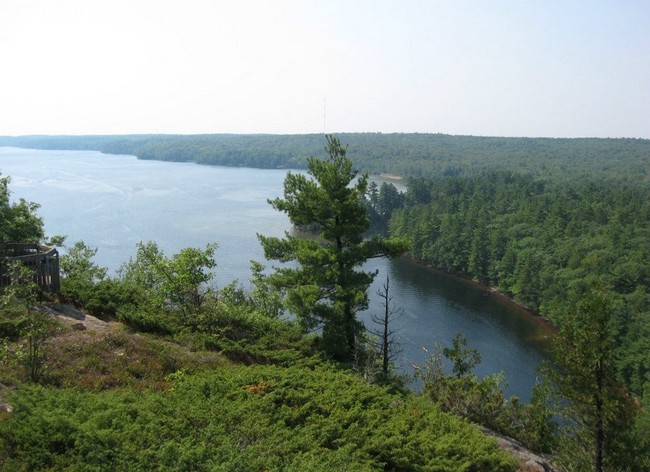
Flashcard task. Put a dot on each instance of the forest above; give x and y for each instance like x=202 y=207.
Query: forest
x=542 y=243
x=412 y=155
x=561 y=226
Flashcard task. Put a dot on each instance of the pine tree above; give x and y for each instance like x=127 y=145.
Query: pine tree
x=327 y=289
x=598 y=411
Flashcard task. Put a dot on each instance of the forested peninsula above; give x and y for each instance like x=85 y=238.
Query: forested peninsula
x=561 y=226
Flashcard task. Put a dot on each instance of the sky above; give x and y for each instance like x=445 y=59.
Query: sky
x=552 y=68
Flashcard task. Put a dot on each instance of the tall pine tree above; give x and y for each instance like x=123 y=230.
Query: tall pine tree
x=327 y=288
x=598 y=412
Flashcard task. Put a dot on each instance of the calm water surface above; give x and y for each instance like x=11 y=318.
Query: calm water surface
x=113 y=202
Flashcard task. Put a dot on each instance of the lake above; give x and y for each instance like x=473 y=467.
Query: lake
x=113 y=202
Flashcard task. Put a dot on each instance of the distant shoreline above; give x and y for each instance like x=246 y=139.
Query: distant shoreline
x=393 y=177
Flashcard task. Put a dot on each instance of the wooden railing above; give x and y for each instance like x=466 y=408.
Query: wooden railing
x=43 y=261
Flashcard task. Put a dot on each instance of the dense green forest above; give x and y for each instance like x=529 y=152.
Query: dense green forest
x=542 y=244
x=416 y=155
x=562 y=226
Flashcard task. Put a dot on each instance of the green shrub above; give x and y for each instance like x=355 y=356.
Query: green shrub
x=102 y=299
x=245 y=418
x=251 y=338
x=9 y=328
x=147 y=319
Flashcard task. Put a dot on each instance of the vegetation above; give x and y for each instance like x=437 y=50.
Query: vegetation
x=21 y=297
x=599 y=414
x=326 y=290
x=543 y=244
x=221 y=383
x=383 y=332
x=19 y=223
x=482 y=401
x=415 y=155
x=241 y=418
x=546 y=244
x=18 y=220
x=542 y=221
x=234 y=389
x=177 y=285
x=80 y=275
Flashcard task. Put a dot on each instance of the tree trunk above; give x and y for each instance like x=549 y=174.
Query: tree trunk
x=386 y=338
x=599 y=432
x=350 y=331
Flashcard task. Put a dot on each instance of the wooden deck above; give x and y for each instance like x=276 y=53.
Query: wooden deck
x=42 y=260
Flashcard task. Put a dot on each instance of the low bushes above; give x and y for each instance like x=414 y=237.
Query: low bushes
x=242 y=418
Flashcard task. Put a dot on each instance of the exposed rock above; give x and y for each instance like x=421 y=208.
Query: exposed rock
x=79 y=327
x=532 y=466
x=68 y=314
x=4 y=406
x=67 y=311
x=530 y=462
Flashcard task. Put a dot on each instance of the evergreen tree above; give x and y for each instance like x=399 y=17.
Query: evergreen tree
x=598 y=411
x=326 y=289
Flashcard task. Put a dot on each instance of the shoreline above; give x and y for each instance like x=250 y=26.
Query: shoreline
x=391 y=177
x=546 y=324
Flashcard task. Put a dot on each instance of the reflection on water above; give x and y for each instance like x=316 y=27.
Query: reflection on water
x=114 y=202
x=437 y=306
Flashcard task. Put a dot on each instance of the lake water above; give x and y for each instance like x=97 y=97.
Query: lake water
x=113 y=202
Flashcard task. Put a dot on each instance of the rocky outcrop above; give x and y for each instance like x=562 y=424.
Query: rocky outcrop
x=529 y=461
x=4 y=406
x=78 y=320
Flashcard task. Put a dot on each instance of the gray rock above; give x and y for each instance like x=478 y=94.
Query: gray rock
x=67 y=311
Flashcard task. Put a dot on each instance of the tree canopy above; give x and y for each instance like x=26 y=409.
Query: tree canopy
x=406 y=154
x=327 y=289
x=598 y=414
x=542 y=243
x=18 y=220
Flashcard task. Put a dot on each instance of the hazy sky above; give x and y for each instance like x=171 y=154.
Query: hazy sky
x=498 y=68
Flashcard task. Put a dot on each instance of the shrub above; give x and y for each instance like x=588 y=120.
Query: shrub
x=251 y=418
x=147 y=319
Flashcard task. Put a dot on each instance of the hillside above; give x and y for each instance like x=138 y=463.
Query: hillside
x=112 y=399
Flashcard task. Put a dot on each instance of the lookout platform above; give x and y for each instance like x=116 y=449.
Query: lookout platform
x=42 y=260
